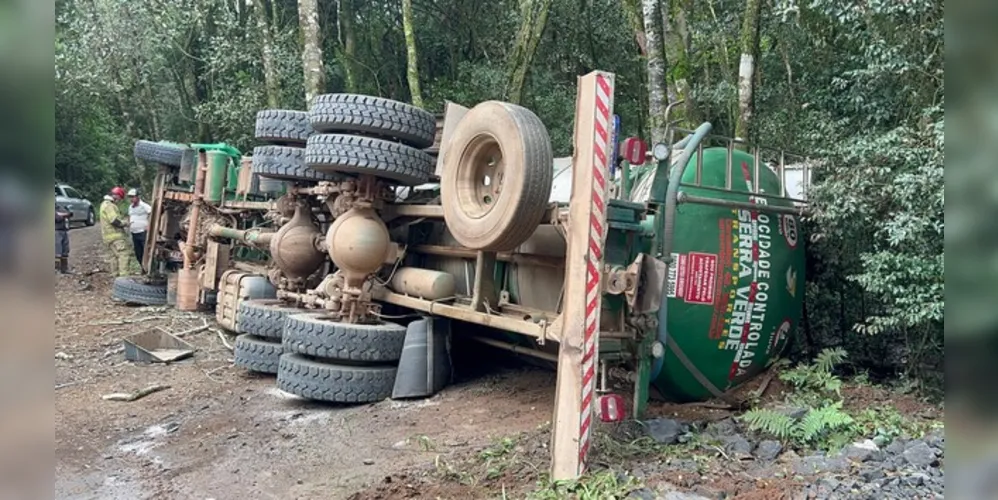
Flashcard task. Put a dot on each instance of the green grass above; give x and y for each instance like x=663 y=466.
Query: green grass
x=601 y=485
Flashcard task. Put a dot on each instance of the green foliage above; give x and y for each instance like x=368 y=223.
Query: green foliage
x=601 y=485
x=876 y=253
x=819 y=421
x=497 y=457
x=824 y=423
x=884 y=423
x=816 y=379
x=770 y=421
x=817 y=390
x=816 y=424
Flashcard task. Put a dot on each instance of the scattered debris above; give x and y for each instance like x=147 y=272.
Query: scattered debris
x=156 y=345
x=126 y=397
x=191 y=331
x=221 y=337
x=127 y=321
x=117 y=350
x=63 y=356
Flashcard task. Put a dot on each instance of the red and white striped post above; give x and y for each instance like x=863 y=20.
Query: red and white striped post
x=579 y=336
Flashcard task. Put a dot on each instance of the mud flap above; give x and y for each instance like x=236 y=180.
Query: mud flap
x=425 y=366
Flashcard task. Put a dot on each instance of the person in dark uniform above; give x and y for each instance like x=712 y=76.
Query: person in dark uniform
x=62 y=217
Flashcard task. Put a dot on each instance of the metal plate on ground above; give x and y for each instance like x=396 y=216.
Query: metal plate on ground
x=156 y=346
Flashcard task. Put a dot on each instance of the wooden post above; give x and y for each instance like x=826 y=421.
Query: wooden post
x=579 y=337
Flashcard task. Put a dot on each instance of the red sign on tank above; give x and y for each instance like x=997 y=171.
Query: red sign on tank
x=634 y=150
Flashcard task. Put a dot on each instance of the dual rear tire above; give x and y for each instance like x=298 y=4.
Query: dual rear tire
x=339 y=362
x=261 y=323
x=316 y=358
x=365 y=135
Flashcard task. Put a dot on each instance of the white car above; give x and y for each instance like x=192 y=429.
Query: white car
x=83 y=210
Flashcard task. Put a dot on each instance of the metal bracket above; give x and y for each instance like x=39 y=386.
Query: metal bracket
x=646 y=296
x=484 y=290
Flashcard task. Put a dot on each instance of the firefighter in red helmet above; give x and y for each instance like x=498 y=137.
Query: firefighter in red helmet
x=114 y=229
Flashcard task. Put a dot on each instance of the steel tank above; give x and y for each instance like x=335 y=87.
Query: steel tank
x=735 y=289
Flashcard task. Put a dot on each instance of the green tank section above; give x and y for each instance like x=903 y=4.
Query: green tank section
x=735 y=288
x=218 y=176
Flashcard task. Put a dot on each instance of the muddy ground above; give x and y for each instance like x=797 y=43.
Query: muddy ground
x=220 y=432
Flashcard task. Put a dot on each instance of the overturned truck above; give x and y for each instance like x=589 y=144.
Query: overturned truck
x=678 y=271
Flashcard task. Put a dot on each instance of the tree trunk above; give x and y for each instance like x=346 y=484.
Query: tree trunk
x=412 y=71
x=632 y=8
x=746 y=69
x=348 y=43
x=151 y=109
x=534 y=18
x=678 y=47
x=656 y=63
x=308 y=20
x=271 y=84
x=199 y=79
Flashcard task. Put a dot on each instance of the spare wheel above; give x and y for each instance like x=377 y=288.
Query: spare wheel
x=498 y=168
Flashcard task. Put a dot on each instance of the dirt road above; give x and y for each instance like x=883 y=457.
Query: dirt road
x=220 y=432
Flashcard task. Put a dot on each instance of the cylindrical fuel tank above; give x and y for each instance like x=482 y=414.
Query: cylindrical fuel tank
x=537 y=287
x=735 y=289
x=423 y=283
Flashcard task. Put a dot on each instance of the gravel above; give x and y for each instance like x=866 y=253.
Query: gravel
x=903 y=468
x=906 y=468
x=665 y=430
x=768 y=450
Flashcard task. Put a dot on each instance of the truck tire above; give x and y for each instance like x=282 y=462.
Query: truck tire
x=319 y=381
x=163 y=153
x=135 y=291
x=311 y=334
x=497 y=177
x=353 y=154
x=256 y=354
x=263 y=318
x=286 y=163
x=283 y=127
x=374 y=116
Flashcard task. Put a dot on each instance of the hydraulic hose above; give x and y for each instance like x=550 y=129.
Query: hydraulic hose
x=689 y=144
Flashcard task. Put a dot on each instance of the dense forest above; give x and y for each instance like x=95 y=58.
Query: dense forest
x=858 y=83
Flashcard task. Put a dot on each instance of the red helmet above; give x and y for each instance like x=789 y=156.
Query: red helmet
x=118 y=191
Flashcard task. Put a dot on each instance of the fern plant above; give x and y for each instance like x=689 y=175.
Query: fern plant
x=815 y=387
x=817 y=378
x=816 y=425
x=771 y=422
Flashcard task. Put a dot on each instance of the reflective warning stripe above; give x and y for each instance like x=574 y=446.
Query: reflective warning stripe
x=597 y=236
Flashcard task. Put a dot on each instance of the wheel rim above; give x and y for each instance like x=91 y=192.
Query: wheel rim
x=480 y=176
x=90 y=216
